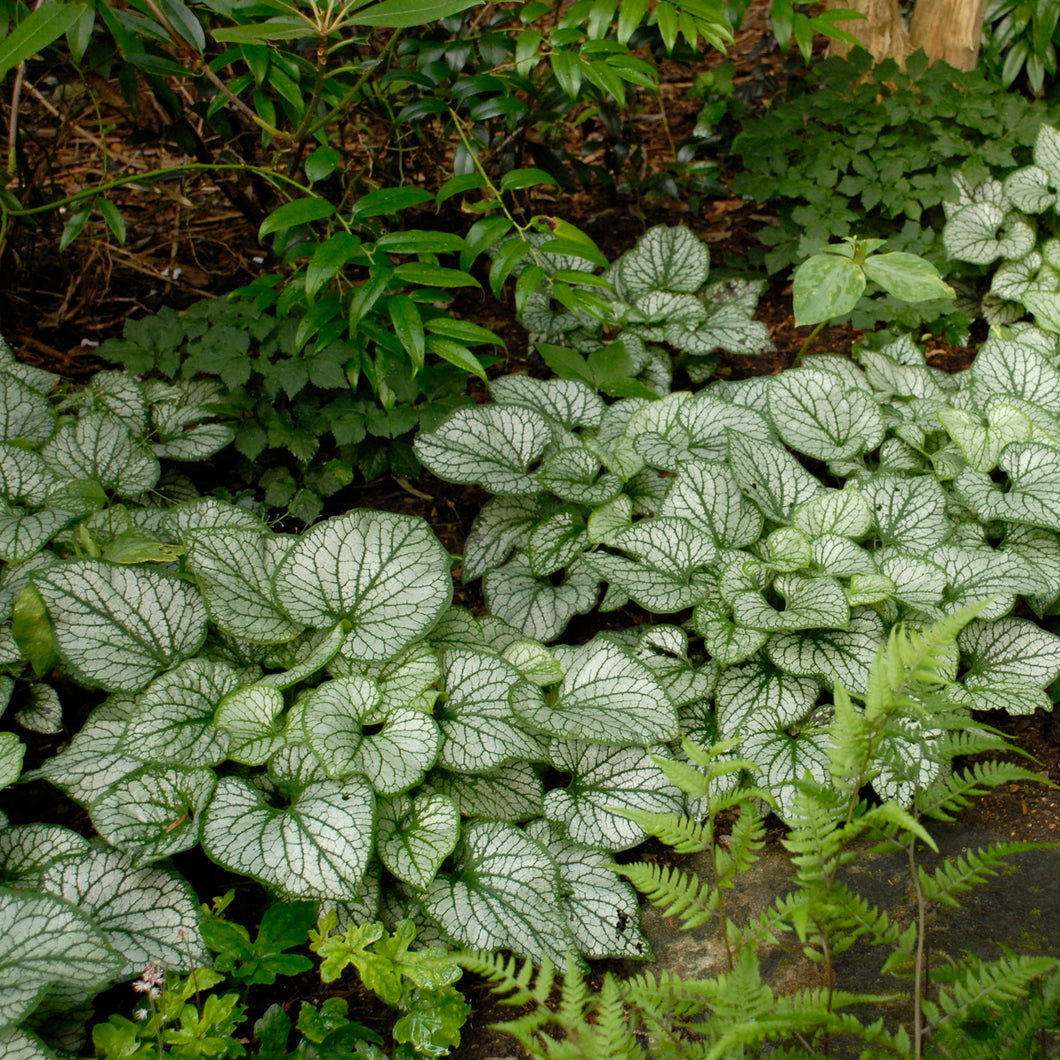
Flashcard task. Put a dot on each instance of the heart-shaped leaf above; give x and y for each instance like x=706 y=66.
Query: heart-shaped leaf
x=416 y=835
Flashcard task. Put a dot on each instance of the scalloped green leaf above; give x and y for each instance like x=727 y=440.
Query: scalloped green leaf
x=173 y=722
x=116 y=626
x=385 y=576
x=604 y=781
x=147 y=914
x=416 y=835
x=154 y=812
x=479 y=729
x=504 y=893
x=45 y=941
x=607 y=696
x=493 y=446
x=317 y=847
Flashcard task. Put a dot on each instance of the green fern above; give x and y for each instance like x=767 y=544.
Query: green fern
x=695 y=901
x=949 y=795
x=964 y=872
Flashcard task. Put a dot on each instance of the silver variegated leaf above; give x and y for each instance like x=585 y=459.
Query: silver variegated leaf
x=729 y=329
x=570 y=402
x=1028 y=190
x=490 y=445
x=46 y=941
x=917 y=581
x=415 y=835
x=606 y=780
x=1033 y=494
x=24 y=533
x=784 y=760
x=26 y=850
x=843 y=512
x=12 y=751
x=1040 y=548
x=708 y=496
x=503 y=894
x=756 y=696
x=251 y=717
x=981 y=445
x=911 y=764
x=982 y=232
x=1008 y=366
x=24 y=475
x=194 y=443
x=41 y=711
x=25 y=414
x=503 y=524
x=234 y=570
x=829 y=655
x=173 y=721
x=317 y=847
x=408 y=680
x=1011 y=661
x=535 y=606
x=556 y=542
x=602 y=909
x=479 y=729
x=574 y=474
x=974 y=575
x=512 y=793
x=99 y=447
x=771 y=477
x=788 y=549
x=384 y=575
x=534 y=662
x=815 y=414
x=910 y=513
x=149 y=915
x=842 y=558
x=209 y=514
x=726 y=642
x=116 y=627
x=154 y=812
x=664 y=258
x=810 y=603
x=122 y=396
x=17 y=1043
x=607 y=696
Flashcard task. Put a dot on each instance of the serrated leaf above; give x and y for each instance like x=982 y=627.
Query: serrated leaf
x=512 y=793
x=602 y=909
x=394 y=759
x=490 y=445
x=606 y=780
x=771 y=477
x=99 y=447
x=154 y=812
x=784 y=760
x=47 y=941
x=317 y=847
x=829 y=655
x=384 y=575
x=116 y=626
x=479 y=728
x=756 y=696
x=664 y=258
x=708 y=496
x=535 y=606
x=251 y=717
x=173 y=722
x=416 y=835
x=910 y=513
x=607 y=696
x=503 y=894
x=815 y=414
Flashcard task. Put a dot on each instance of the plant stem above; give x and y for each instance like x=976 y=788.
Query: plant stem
x=803 y=348
x=918 y=969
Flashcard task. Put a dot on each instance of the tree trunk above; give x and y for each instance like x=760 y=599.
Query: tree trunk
x=945 y=29
x=881 y=31
x=949 y=30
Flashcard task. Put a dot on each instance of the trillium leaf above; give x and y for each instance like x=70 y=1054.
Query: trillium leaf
x=664 y=258
x=318 y=847
x=503 y=524
x=385 y=575
x=555 y=542
x=574 y=474
x=46 y=941
x=829 y=655
x=602 y=909
x=147 y=914
x=535 y=606
x=607 y=696
x=809 y=603
x=503 y=894
x=479 y=729
x=606 y=780
x=174 y=719
x=99 y=447
x=393 y=759
x=92 y=762
x=493 y=446
x=816 y=415
x=116 y=626
x=25 y=850
x=826 y=286
x=771 y=477
x=154 y=812
x=235 y=570
x=416 y=836
x=756 y=695
x=569 y=402
x=251 y=717
x=784 y=760
x=512 y=793
x=910 y=513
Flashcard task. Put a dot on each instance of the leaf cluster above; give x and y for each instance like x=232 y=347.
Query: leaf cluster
x=871 y=149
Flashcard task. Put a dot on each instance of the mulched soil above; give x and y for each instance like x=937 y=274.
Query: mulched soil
x=188 y=242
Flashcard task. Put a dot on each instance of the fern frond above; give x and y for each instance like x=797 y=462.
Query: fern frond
x=679 y=831
x=508 y=977
x=983 y=986
x=747 y=839
x=963 y=872
x=574 y=1000
x=694 y=901
x=611 y=1037
x=950 y=794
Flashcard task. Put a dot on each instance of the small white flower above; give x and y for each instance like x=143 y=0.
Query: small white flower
x=141 y=1014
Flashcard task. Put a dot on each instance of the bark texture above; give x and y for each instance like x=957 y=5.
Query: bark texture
x=881 y=31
